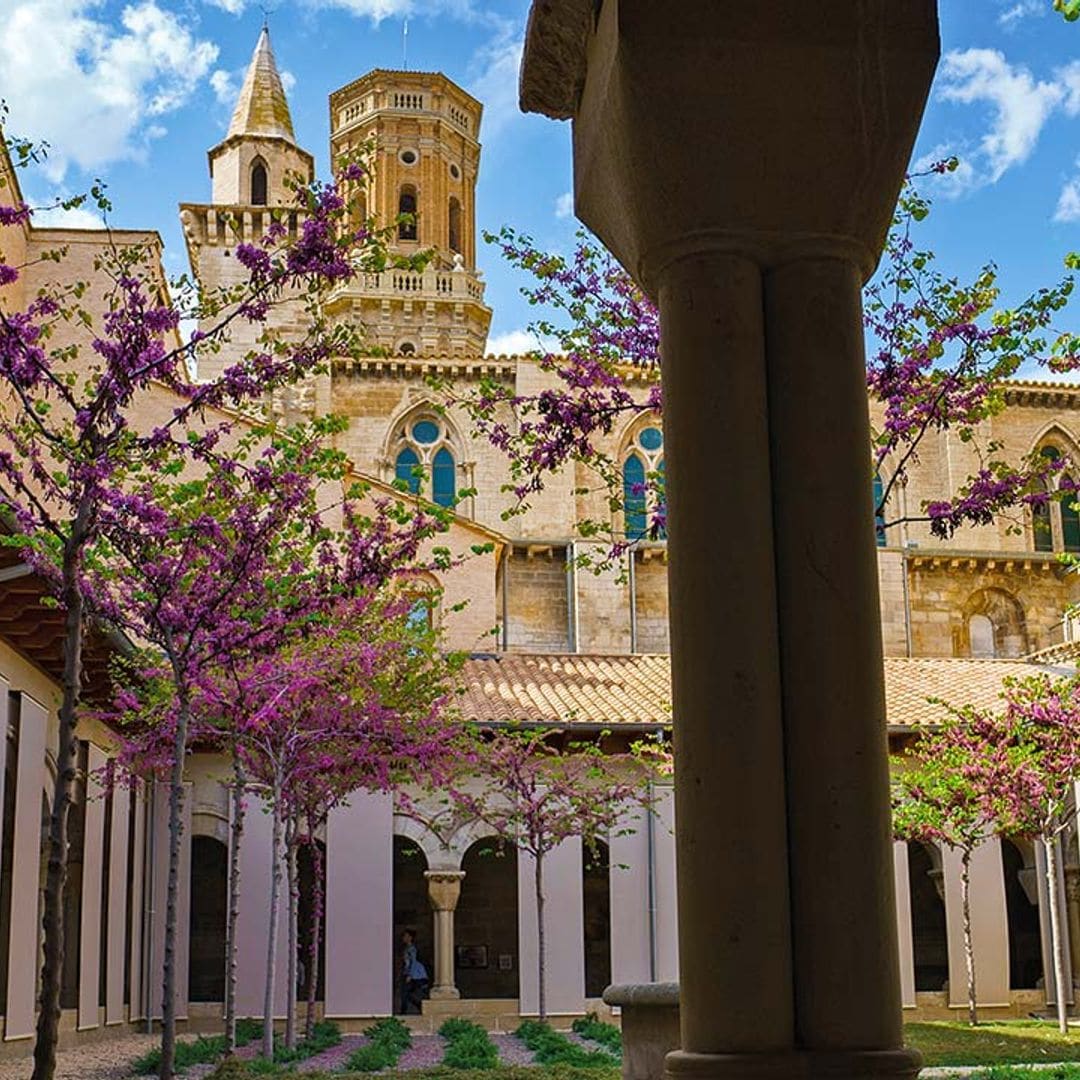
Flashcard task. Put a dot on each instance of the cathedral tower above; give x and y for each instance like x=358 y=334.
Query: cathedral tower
x=250 y=165
x=427 y=155
x=248 y=171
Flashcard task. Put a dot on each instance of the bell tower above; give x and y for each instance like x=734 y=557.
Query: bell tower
x=250 y=165
x=425 y=132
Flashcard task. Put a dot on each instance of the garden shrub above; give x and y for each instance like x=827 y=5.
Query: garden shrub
x=593 y=1028
x=470 y=1046
x=390 y=1038
x=325 y=1034
x=551 y=1048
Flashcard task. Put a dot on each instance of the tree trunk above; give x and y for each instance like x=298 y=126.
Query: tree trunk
x=316 y=933
x=969 y=951
x=237 y=830
x=294 y=943
x=172 y=905
x=541 y=967
x=1061 y=989
x=52 y=920
x=271 y=944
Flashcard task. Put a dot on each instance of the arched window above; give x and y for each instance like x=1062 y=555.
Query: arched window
x=424 y=458
x=1042 y=526
x=981 y=634
x=879 y=510
x=1070 y=516
x=455 y=224
x=643 y=484
x=443 y=478
x=405 y=469
x=258 y=184
x=995 y=625
x=634 y=515
x=1055 y=524
x=407 y=213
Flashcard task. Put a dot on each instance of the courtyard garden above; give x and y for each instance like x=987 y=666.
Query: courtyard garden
x=592 y=1050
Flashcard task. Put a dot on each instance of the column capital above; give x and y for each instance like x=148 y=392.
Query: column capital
x=752 y=125
x=444 y=888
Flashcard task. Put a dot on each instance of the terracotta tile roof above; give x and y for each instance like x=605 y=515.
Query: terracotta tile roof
x=910 y=683
x=625 y=690
x=567 y=689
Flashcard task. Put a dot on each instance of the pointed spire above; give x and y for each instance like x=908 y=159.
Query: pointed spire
x=262 y=108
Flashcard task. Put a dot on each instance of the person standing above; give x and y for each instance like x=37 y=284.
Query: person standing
x=414 y=976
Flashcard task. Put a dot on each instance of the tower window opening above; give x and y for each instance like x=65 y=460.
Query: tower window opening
x=407 y=214
x=455 y=224
x=258 y=184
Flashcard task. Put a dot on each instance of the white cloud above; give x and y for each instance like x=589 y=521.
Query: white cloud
x=225 y=85
x=288 y=81
x=951 y=184
x=1019 y=105
x=1068 y=205
x=564 y=205
x=496 y=79
x=233 y=7
x=89 y=88
x=515 y=342
x=1021 y=9
x=78 y=217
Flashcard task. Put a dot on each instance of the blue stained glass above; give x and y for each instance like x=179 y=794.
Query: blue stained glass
x=651 y=439
x=879 y=515
x=634 y=498
x=443 y=478
x=425 y=432
x=405 y=469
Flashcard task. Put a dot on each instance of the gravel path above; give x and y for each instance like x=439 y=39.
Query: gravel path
x=512 y=1051
x=335 y=1057
x=426 y=1051
x=107 y=1060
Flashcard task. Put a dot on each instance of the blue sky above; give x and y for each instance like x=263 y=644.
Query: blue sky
x=137 y=92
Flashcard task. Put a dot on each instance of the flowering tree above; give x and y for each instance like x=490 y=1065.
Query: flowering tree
x=535 y=794
x=360 y=710
x=939 y=352
x=1031 y=774
x=940 y=797
x=74 y=376
x=209 y=571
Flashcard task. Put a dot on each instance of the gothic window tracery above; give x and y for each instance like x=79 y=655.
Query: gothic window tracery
x=643 y=481
x=1055 y=524
x=424 y=459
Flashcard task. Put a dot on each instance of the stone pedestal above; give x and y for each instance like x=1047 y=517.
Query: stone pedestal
x=742 y=161
x=650 y=1026
x=444 y=889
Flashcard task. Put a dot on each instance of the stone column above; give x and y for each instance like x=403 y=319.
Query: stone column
x=742 y=161
x=1072 y=900
x=444 y=888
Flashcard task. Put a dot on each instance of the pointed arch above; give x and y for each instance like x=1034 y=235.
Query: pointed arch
x=641 y=453
x=424 y=437
x=1055 y=523
x=259 y=181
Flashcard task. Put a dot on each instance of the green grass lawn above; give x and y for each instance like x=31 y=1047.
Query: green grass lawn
x=1012 y=1042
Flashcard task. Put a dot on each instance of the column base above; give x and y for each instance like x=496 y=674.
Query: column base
x=444 y=993
x=834 y=1065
